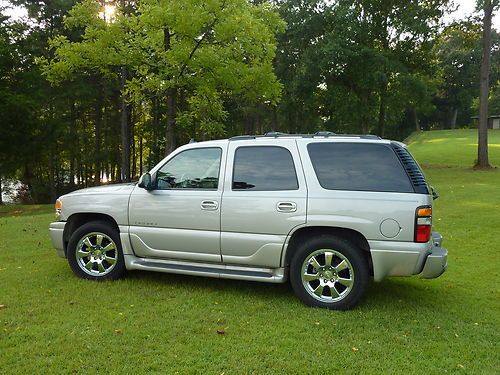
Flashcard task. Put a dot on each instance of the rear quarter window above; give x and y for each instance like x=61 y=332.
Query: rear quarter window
x=358 y=166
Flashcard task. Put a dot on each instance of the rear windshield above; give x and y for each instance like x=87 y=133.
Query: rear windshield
x=358 y=166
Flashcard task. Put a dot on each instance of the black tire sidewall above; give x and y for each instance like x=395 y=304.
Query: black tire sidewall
x=96 y=226
x=346 y=248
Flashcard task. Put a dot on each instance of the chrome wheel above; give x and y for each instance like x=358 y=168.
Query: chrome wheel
x=327 y=275
x=96 y=254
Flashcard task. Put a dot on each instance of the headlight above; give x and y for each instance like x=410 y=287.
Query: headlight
x=58 y=207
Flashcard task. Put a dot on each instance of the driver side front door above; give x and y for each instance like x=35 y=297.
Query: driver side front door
x=180 y=219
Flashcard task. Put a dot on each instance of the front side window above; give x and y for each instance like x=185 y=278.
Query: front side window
x=264 y=168
x=358 y=166
x=191 y=169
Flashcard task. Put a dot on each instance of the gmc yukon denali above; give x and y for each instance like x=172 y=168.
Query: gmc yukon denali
x=325 y=211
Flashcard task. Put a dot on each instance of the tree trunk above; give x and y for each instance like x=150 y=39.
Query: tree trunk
x=125 y=139
x=171 y=114
x=415 y=119
x=382 y=109
x=1 y=190
x=453 y=117
x=482 y=149
x=73 y=148
x=171 y=103
x=97 y=155
x=276 y=126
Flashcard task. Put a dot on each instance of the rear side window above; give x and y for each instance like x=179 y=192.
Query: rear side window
x=264 y=168
x=358 y=166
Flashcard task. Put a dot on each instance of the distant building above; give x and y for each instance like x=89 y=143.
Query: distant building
x=493 y=121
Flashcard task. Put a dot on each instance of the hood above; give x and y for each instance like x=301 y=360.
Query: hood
x=125 y=188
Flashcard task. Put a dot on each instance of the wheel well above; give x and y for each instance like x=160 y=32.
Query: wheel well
x=77 y=220
x=349 y=234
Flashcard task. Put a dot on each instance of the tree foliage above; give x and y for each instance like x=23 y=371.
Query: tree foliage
x=89 y=97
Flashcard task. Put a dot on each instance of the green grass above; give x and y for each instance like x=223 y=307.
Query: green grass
x=456 y=148
x=147 y=322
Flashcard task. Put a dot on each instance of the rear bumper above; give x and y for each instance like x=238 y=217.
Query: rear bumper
x=56 y=231
x=391 y=258
x=437 y=261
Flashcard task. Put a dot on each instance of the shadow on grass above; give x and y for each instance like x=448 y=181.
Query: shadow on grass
x=408 y=294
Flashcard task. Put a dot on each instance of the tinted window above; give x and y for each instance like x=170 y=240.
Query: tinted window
x=358 y=166
x=191 y=169
x=264 y=168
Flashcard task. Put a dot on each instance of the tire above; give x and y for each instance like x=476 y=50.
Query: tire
x=329 y=272
x=87 y=254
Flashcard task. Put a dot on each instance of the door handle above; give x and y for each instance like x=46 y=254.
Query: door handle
x=286 y=206
x=209 y=205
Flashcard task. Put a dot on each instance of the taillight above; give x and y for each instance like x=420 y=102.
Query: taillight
x=423 y=224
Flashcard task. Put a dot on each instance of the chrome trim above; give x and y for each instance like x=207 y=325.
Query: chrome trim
x=271 y=275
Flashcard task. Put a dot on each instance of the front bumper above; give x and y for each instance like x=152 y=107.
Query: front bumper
x=56 y=231
x=437 y=261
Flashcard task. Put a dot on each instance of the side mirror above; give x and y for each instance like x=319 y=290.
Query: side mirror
x=146 y=182
x=435 y=195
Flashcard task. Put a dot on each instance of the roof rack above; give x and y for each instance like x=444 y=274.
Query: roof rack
x=325 y=134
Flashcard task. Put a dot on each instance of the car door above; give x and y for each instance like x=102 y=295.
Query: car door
x=264 y=198
x=180 y=218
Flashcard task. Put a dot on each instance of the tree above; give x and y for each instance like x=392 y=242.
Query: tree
x=482 y=148
x=189 y=55
x=349 y=65
x=458 y=53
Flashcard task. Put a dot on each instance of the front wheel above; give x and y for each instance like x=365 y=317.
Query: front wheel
x=95 y=252
x=328 y=271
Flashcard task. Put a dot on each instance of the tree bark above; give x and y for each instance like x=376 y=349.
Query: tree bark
x=171 y=103
x=415 y=119
x=73 y=149
x=382 y=111
x=453 y=117
x=125 y=138
x=171 y=114
x=97 y=155
x=482 y=147
x=1 y=190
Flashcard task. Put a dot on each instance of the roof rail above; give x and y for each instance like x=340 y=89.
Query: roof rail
x=325 y=134
x=276 y=134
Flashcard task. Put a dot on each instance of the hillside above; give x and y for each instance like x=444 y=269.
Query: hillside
x=456 y=148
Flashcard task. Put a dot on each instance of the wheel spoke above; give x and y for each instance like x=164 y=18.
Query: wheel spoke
x=89 y=265
x=87 y=242
x=310 y=277
x=334 y=292
x=345 y=282
x=101 y=268
x=82 y=254
x=328 y=258
x=315 y=263
x=110 y=260
x=110 y=246
x=319 y=290
x=342 y=266
x=99 y=238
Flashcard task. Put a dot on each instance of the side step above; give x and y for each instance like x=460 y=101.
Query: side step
x=224 y=271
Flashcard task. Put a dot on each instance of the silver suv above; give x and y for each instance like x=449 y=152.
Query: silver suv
x=326 y=211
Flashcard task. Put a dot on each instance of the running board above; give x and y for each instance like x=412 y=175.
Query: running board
x=224 y=271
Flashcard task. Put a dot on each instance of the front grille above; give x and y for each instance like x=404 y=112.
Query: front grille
x=412 y=169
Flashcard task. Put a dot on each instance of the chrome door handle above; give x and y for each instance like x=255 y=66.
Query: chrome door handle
x=286 y=206
x=209 y=205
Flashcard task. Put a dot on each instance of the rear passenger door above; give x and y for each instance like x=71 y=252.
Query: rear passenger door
x=264 y=198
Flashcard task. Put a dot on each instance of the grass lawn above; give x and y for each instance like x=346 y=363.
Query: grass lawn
x=147 y=322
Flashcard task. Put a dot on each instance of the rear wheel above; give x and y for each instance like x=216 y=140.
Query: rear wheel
x=95 y=252
x=328 y=271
